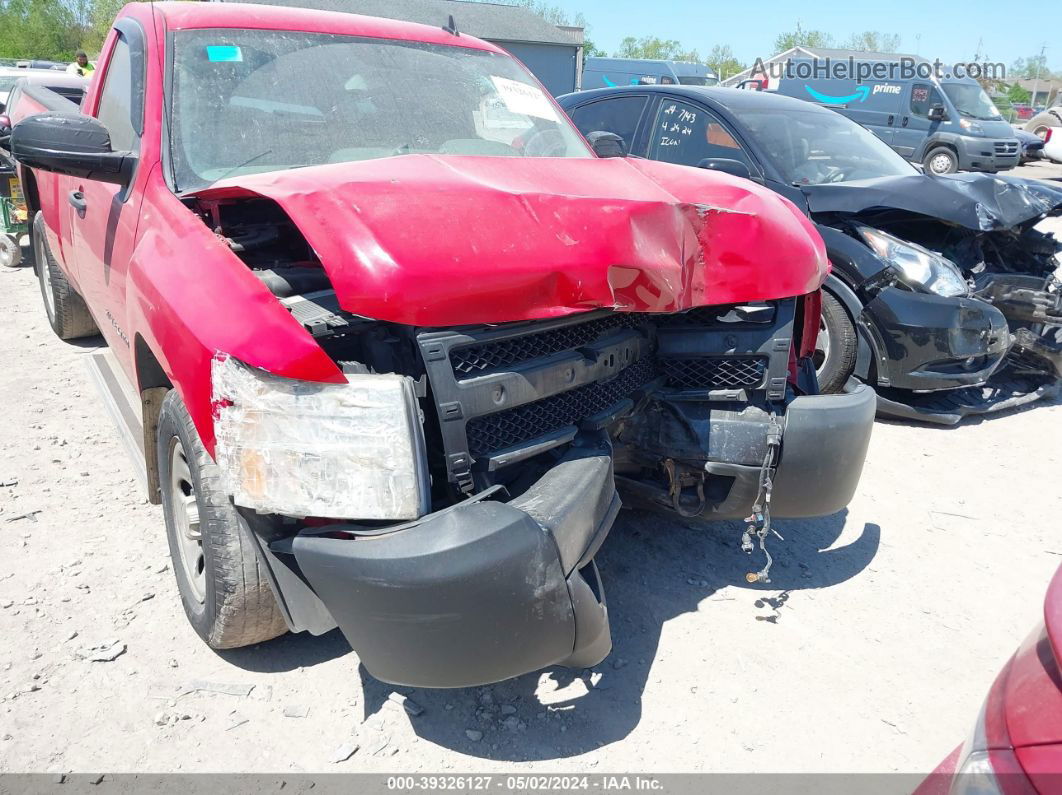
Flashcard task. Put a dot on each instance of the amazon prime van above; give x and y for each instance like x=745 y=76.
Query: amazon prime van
x=947 y=124
x=603 y=72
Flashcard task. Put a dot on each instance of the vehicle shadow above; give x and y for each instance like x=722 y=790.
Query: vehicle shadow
x=288 y=652
x=654 y=569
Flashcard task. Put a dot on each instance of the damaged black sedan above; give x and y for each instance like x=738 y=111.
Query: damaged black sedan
x=943 y=295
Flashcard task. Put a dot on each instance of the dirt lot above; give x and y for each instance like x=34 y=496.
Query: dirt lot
x=870 y=651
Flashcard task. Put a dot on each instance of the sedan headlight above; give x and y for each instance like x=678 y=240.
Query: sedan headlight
x=919 y=267
x=300 y=448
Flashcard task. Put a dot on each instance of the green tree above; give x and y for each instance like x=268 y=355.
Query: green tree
x=591 y=50
x=1027 y=67
x=99 y=23
x=873 y=41
x=655 y=48
x=801 y=38
x=1017 y=94
x=723 y=61
x=37 y=29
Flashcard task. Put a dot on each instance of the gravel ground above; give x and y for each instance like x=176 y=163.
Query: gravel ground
x=870 y=651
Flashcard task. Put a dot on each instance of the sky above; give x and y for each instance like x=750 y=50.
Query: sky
x=949 y=31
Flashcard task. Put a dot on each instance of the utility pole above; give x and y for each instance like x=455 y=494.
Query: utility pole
x=1036 y=81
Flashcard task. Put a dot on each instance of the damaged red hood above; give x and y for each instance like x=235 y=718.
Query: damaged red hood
x=453 y=240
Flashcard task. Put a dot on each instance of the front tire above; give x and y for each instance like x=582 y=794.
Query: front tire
x=941 y=161
x=67 y=314
x=836 y=346
x=223 y=587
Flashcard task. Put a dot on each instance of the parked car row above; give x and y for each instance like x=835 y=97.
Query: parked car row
x=943 y=295
x=388 y=362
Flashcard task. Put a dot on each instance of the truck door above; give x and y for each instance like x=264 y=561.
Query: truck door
x=105 y=215
x=915 y=127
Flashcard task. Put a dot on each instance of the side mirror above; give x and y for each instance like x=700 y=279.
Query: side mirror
x=727 y=166
x=606 y=144
x=937 y=113
x=71 y=144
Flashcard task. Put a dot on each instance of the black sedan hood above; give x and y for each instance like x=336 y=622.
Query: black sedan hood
x=978 y=201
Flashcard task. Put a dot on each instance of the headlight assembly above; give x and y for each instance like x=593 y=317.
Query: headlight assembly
x=920 y=268
x=300 y=448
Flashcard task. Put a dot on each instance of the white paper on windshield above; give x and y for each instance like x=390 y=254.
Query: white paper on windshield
x=522 y=98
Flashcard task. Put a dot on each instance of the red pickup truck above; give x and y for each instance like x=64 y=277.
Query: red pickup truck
x=388 y=336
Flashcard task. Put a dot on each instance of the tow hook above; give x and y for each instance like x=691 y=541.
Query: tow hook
x=759 y=522
x=680 y=480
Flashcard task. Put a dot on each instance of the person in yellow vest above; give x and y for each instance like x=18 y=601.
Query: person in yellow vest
x=81 y=65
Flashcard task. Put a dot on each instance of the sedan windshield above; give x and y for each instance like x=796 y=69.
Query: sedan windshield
x=971 y=101
x=815 y=146
x=248 y=101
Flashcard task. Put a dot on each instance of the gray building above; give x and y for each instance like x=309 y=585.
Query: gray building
x=552 y=53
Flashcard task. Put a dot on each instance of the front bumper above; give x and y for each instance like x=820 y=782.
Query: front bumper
x=476 y=593
x=980 y=154
x=824 y=444
x=931 y=342
x=487 y=590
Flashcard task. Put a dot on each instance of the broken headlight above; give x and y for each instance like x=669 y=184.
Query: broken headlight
x=919 y=268
x=301 y=448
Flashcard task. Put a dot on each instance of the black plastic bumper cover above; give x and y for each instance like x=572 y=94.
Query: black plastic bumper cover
x=479 y=592
x=823 y=449
x=934 y=342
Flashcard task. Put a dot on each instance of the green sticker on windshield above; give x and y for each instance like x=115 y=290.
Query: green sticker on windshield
x=223 y=52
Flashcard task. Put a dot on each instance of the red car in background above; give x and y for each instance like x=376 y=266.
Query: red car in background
x=1015 y=746
x=1023 y=111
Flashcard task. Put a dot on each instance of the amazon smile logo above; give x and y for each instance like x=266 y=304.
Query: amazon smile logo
x=860 y=95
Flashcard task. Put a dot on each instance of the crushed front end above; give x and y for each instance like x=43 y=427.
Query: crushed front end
x=1015 y=354
x=960 y=292
x=529 y=433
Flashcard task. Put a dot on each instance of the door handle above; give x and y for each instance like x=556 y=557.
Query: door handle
x=904 y=122
x=77 y=201
x=892 y=118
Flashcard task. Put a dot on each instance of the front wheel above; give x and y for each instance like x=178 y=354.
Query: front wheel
x=835 y=347
x=223 y=588
x=941 y=161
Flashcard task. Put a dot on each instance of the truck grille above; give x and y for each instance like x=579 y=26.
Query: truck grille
x=532 y=420
x=473 y=360
x=1006 y=147
x=722 y=372
x=516 y=389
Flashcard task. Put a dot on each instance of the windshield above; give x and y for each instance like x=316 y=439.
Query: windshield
x=971 y=101
x=248 y=101
x=813 y=147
